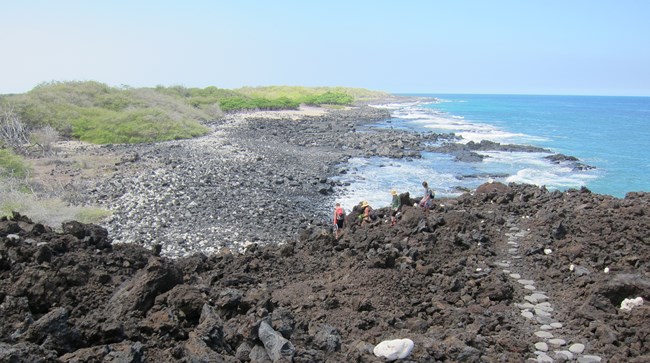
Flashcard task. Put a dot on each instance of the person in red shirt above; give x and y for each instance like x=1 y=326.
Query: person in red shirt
x=339 y=219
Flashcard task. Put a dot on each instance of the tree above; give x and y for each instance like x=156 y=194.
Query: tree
x=13 y=131
x=45 y=138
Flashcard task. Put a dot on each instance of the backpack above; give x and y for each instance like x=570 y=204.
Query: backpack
x=431 y=194
x=341 y=215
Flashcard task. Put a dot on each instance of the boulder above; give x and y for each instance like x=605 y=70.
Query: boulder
x=276 y=346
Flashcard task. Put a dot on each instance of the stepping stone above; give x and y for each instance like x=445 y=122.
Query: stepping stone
x=544 y=319
x=526 y=282
x=515 y=276
x=557 y=342
x=506 y=271
x=527 y=314
x=524 y=306
x=530 y=299
x=512 y=250
x=556 y=325
x=529 y=287
x=546 y=307
x=502 y=264
x=577 y=348
x=513 y=243
x=543 y=334
x=563 y=354
x=544 y=358
x=539 y=296
x=540 y=312
x=541 y=346
x=589 y=359
x=546 y=327
x=516 y=257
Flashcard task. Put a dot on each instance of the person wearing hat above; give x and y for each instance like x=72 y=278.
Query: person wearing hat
x=395 y=206
x=367 y=212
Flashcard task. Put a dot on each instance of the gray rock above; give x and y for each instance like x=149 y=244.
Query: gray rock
x=589 y=359
x=327 y=338
x=52 y=331
x=581 y=271
x=243 y=352
x=565 y=354
x=258 y=355
x=275 y=344
x=577 y=348
x=541 y=346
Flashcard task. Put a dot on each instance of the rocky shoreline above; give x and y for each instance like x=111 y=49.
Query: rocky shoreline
x=506 y=274
x=230 y=258
x=254 y=179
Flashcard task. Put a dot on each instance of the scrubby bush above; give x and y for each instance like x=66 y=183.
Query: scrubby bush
x=329 y=98
x=12 y=165
x=94 y=112
x=45 y=138
x=13 y=132
x=102 y=126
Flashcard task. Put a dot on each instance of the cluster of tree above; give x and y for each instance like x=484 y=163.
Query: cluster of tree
x=245 y=103
x=329 y=98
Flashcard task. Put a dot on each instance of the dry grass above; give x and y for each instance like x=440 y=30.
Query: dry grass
x=44 y=195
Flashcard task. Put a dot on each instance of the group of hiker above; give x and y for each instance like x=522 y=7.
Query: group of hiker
x=367 y=215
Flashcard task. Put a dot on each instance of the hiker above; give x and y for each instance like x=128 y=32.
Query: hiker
x=427 y=199
x=395 y=206
x=339 y=219
x=367 y=215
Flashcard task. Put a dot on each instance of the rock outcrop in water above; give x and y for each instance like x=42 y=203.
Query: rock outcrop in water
x=507 y=273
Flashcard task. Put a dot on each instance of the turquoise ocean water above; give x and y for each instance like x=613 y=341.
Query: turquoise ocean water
x=609 y=133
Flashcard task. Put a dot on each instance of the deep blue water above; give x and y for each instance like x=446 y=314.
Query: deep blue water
x=609 y=133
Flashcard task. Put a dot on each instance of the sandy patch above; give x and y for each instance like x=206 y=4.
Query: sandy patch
x=303 y=111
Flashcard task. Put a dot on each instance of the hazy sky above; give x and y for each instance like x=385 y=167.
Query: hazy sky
x=519 y=46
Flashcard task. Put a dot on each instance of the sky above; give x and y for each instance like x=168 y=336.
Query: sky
x=583 y=47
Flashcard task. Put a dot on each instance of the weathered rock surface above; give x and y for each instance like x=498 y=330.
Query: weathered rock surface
x=434 y=279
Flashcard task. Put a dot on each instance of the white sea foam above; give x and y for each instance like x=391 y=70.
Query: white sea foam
x=437 y=121
x=372 y=179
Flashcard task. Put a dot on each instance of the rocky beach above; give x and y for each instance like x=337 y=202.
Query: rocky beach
x=220 y=250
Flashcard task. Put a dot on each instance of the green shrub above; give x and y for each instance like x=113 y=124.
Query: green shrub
x=12 y=164
x=101 y=126
x=94 y=112
x=300 y=93
x=329 y=98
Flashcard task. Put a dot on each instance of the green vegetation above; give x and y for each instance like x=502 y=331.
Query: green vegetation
x=245 y=103
x=12 y=165
x=48 y=211
x=94 y=112
x=97 y=113
x=302 y=93
x=329 y=98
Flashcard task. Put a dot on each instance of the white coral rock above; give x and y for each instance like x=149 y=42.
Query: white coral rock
x=394 y=349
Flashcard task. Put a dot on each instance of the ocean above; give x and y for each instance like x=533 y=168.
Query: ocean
x=608 y=133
